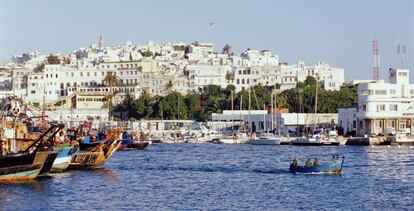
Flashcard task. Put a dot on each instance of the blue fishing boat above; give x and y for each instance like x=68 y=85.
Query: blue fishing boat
x=333 y=167
x=63 y=158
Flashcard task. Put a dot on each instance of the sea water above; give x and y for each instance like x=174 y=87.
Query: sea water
x=226 y=177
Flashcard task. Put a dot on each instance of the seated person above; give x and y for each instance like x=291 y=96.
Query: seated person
x=308 y=163
x=316 y=162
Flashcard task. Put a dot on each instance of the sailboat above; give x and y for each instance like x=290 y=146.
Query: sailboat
x=269 y=138
x=316 y=138
x=234 y=137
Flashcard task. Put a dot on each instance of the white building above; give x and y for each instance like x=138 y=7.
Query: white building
x=347 y=120
x=384 y=107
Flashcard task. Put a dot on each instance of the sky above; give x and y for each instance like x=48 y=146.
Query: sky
x=340 y=32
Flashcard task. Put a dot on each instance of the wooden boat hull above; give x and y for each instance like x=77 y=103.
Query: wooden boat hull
x=334 y=167
x=19 y=173
x=91 y=160
x=31 y=165
x=48 y=163
x=133 y=146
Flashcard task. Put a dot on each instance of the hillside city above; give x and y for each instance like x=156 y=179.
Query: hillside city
x=153 y=69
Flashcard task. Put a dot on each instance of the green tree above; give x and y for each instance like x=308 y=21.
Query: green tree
x=193 y=103
x=39 y=68
x=147 y=54
x=110 y=80
x=173 y=104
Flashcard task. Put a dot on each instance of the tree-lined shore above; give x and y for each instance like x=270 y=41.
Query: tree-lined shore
x=213 y=99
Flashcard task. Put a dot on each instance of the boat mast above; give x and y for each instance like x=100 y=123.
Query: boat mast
x=277 y=124
x=300 y=99
x=272 y=109
x=316 y=105
x=162 y=118
x=249 y=120
x=232 y=122
x=241 y=105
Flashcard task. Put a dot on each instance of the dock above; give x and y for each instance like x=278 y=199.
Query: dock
x=367 y=141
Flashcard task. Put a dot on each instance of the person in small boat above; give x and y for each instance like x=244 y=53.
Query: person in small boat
x=316 y=162
x=4 y=147
x=60 y=138
x=142 y=136
x=78 y=139
x=294 y=162
x=308 y=163
x=93 y=138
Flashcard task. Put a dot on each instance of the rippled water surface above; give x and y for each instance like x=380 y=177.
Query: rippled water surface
x=225 y=177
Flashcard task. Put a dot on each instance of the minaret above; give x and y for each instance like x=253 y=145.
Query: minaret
x=101 y=43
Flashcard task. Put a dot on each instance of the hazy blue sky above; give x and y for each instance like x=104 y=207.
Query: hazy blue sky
x=340 y=32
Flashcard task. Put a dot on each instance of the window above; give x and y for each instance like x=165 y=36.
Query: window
x=391 y=124
x=364 y=107
x=392 y=91
x=378 y=123
x=367 y=92
x=393 y=107
x=33 y=92
x=381 y=107
x=380 y=92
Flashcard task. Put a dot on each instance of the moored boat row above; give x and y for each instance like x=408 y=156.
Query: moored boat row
x=28 y=151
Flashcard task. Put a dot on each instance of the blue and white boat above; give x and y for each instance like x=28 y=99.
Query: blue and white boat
x=334 y=167
x=63 y=159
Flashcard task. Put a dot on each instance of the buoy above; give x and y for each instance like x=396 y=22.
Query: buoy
x=399 y=146
x=388 y=146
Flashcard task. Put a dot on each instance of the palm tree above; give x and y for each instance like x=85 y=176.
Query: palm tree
x=110 y=80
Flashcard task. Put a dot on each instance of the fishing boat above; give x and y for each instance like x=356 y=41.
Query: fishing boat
x=63 y=159
x=129 y=144
x=333 y=167
x=28 y=160
x=95 y=154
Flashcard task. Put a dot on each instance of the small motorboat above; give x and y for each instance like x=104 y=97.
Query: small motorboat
x=333 y=167
x=129 y=144
x=267 y=139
